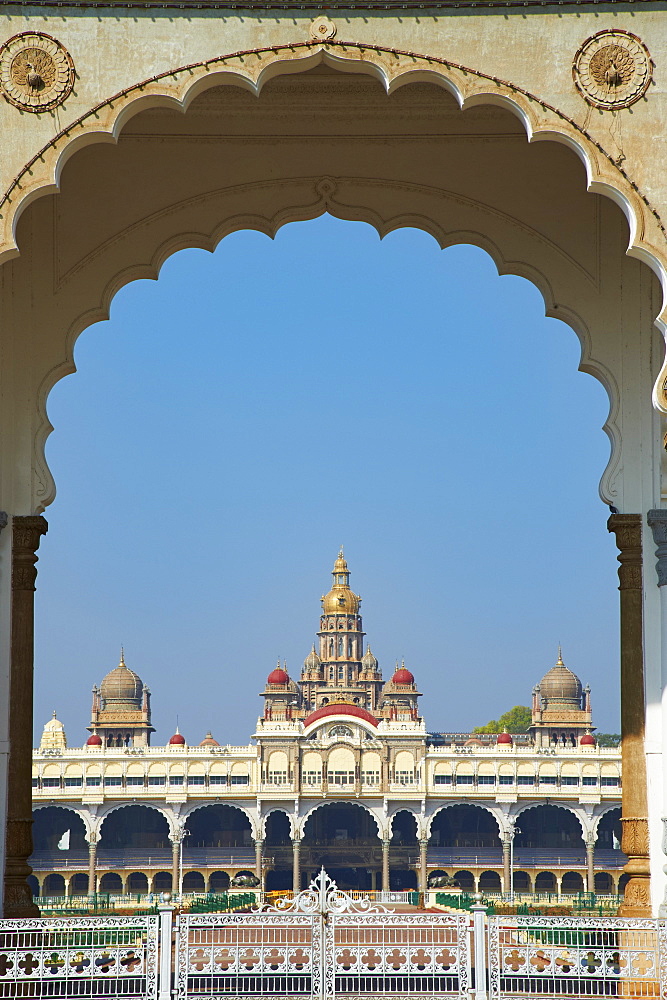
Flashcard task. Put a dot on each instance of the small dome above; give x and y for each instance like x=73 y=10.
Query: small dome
x=94 y=741
x=278 y=676
x=340 y=599
x=368 y=660
x=312 y=661
x=504 y=739
x=177 y=740
x=560 y=685
x=402 y=675
x=587 y=740
x=209 y=740
x=122 y=688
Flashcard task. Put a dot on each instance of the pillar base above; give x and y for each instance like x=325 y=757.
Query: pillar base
x=18 y=899
x=636 y=898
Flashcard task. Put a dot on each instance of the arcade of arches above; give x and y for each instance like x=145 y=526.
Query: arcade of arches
x=164 y=161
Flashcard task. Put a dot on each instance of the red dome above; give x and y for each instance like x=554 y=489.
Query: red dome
x=94 y=741
x=339 y=708
x=505 y=739
x=278 y=676
x=177 y=740
x=587 y=740
x=403 y=676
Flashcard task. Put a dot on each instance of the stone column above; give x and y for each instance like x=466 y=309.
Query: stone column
x=92 y=863
x=637 y=896
x=507 y=873
x=259 y=862
x=657 y=520
x=590 y=862
x=296 y=865
x=423 y=864
x=385 y=865
x=26 y=535
x=175 y=863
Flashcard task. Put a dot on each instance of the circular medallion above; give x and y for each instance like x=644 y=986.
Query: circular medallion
x=322 y=28
x=612 y=69
x=36 y=72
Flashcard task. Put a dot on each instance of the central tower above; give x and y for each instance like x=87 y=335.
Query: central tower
x=341 y=671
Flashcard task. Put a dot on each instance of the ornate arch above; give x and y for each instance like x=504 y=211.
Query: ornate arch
x=466 y=802
x=126 y=805
x=322 y=805
x=261 y=823
x=557 y=805
x=197 y=806
x=251 y=70
x=84 y=815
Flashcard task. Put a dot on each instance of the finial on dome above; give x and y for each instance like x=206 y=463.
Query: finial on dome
x=122 y=657
x=559 y=661
x=54 y=713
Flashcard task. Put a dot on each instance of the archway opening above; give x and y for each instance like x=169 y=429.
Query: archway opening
x=548 y=826
x=221 y=829
x=342 y=838
x=218 y=882
x=134 y=827
x=463 y=827
x=111 y=883
x=54 y=826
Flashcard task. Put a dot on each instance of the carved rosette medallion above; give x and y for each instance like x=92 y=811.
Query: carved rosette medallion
x=36 y=72
x=612 y=69
x=322 y=29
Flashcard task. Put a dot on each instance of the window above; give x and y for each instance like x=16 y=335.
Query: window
x=609 y=782
x=50 y=782
x=586 y=780
x=370 y=777
x=157 y=779
x=35 y=782
x=506 y=779
x=73 y=782
x=217 y=779
x=135 y=779
x=404 y=777
x=93 y=781
x=196 y=779
x=465 y=779
x=113 y=781
x=548 y=779
x=276 y=777
x=239 y=779
x=175 y=779
x=340 y=777
x=568 y=779
x=486 y=779
x=526 y=779
x=312 y=777
x=442 y=779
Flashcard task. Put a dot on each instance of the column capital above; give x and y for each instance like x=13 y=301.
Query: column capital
x=26 y=535
x=628 y=531
x=657 y=521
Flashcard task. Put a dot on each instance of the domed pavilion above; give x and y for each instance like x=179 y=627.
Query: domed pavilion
x=121 y=712
x=561 y=708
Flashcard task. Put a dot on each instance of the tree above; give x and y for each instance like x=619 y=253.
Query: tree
x=608 y=739
x=517 y=720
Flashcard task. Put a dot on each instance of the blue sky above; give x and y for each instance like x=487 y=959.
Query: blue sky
x=236 y=421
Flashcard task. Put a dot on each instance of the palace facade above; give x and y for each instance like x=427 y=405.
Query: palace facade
x=342 y=773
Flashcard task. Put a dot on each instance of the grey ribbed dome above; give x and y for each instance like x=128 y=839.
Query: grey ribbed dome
x=560 y=685
x=122 y=688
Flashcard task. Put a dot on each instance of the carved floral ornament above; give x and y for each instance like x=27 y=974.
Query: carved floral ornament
x=36 y=72
x=612 y=69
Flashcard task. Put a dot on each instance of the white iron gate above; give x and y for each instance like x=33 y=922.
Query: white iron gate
x=79 y=957
x=322 y=945
x=576 y=957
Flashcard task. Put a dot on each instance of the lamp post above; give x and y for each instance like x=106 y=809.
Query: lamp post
x=186 y=833
x=513 y=832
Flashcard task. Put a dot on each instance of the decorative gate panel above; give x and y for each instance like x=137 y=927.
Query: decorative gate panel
x=321 y=945
x=575 y=957
x=397 y=955
x=79 y=957
x=259 y=955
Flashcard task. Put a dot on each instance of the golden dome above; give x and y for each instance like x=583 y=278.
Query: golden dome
x=340 y=599
x=122 y=687
x=560 y=685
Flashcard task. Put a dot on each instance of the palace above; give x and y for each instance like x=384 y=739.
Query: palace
x=342 y=773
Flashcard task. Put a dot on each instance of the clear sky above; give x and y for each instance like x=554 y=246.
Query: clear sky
x=236 y=421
